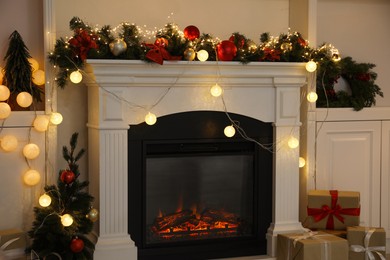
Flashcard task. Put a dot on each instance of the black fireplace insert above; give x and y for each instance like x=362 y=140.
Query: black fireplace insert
x=195 y=193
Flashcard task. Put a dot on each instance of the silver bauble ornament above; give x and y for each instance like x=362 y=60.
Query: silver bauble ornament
x=93 y=215
x=118 y=46
x=189 y=54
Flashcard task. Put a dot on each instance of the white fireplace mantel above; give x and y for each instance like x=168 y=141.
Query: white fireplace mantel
x=120 y=93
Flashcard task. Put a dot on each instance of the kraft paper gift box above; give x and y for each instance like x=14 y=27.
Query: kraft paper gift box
x=12 y=243
x=366 y=243
x=310 y=246
x=332 y=209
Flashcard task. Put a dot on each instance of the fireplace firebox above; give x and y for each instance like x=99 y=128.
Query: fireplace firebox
x=196 y=194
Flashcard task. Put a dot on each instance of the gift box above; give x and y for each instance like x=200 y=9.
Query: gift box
x=337 y=233
x=12 y=244
x=332 y=209
x=312 y=245
x=366 y=242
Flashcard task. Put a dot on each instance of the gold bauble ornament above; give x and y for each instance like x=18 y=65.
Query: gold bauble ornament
x=286 y=46
x=118 y=46
x=93 y=215
x=189 y=54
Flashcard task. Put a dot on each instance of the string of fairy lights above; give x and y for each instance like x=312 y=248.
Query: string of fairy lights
x=31 y=151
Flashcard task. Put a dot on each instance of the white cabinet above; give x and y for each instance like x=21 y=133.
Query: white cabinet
x=352 y=152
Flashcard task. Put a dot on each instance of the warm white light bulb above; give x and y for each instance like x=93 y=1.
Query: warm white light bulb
x=302 y=162
x=44 y=200
x=24 y=99
x=229 y=131
x=4 y=93
x=38 y=77
x=202 y=55
x=293 y=142
x=150 y=119
x=5 y=110
x=66 y=220
x=41 y=123
x=216 y=90
x=312 y=97
x=311 y=66
x=76 y=77
x=34 y=64
x=56 y=118
x=31 y=177
x=31 y=151
x=9 y=143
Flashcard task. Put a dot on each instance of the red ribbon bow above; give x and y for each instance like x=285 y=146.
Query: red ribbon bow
x=158 y=53
x=334 y=211
x=82 y=42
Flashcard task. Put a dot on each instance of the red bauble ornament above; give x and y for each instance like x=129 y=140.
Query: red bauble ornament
x=226 y=51
x=161 y=42
x=67 y=176
x=76 y=245
x=238 y=40
x=191 y=32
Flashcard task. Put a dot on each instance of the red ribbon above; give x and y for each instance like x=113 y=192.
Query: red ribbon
x=158 y=53
x=82 y=42
x=334 y=211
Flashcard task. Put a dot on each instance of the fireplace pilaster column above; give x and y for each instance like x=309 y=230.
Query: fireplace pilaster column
x=285 y=217
x=108 y=174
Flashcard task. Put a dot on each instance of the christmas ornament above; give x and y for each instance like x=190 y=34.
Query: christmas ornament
x=191 y=32
x=76 y=245
x=286 y=46
x=118 y=46
x=82 y=42
x=226 y=50
x=67 y=176
x=189 y=54
x=238 y=40
x=161 y=42
x=93 y=215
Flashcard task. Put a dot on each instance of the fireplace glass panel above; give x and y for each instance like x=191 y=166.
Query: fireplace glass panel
x=199 y=197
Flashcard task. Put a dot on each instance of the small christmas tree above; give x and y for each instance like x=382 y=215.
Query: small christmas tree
x=66 y=215
x=18 y=70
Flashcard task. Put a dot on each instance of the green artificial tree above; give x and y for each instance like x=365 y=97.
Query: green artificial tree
x=18 y=70
x=53 y=233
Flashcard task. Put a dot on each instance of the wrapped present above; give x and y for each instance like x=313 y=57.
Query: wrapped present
x=12 y=244
x=332 y=209
x=311 y=245
x=338 y=233
x=366 y=243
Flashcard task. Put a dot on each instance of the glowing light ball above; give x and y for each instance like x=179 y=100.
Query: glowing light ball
x=76 y=77
x=41 y=123
x=44 y=200
x=24 y=99
x=216 y=90
x=302 y=162
x=56 y=118
x=150 y=119
x=9 y=143
x=293 y=142
x=202 y=55
x=31 y=177
x=229 y=131
x=38 y=77
x=34 y=64
x=4 y=93
x=31 y=151
x=312 y=97
x=311 y=66
x=5 y=110
x=66 y=220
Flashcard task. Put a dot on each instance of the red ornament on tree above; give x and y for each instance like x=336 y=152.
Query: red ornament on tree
x=191 y=32
x=76 y=245
x=226 y=51
x=67 y=176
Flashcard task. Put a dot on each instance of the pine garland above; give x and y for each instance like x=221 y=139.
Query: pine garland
x=287 y=47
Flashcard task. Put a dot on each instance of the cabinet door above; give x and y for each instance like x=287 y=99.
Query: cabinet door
x=348 y=158
x=385 y=207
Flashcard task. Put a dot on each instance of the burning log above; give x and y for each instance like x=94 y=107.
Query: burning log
x=219 y=215
x=173 y=220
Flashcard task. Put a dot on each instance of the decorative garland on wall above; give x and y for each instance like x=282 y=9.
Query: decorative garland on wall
x=127 y=41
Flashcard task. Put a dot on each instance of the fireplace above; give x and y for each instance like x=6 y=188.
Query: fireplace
x=194 y=190
x=266 y=92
